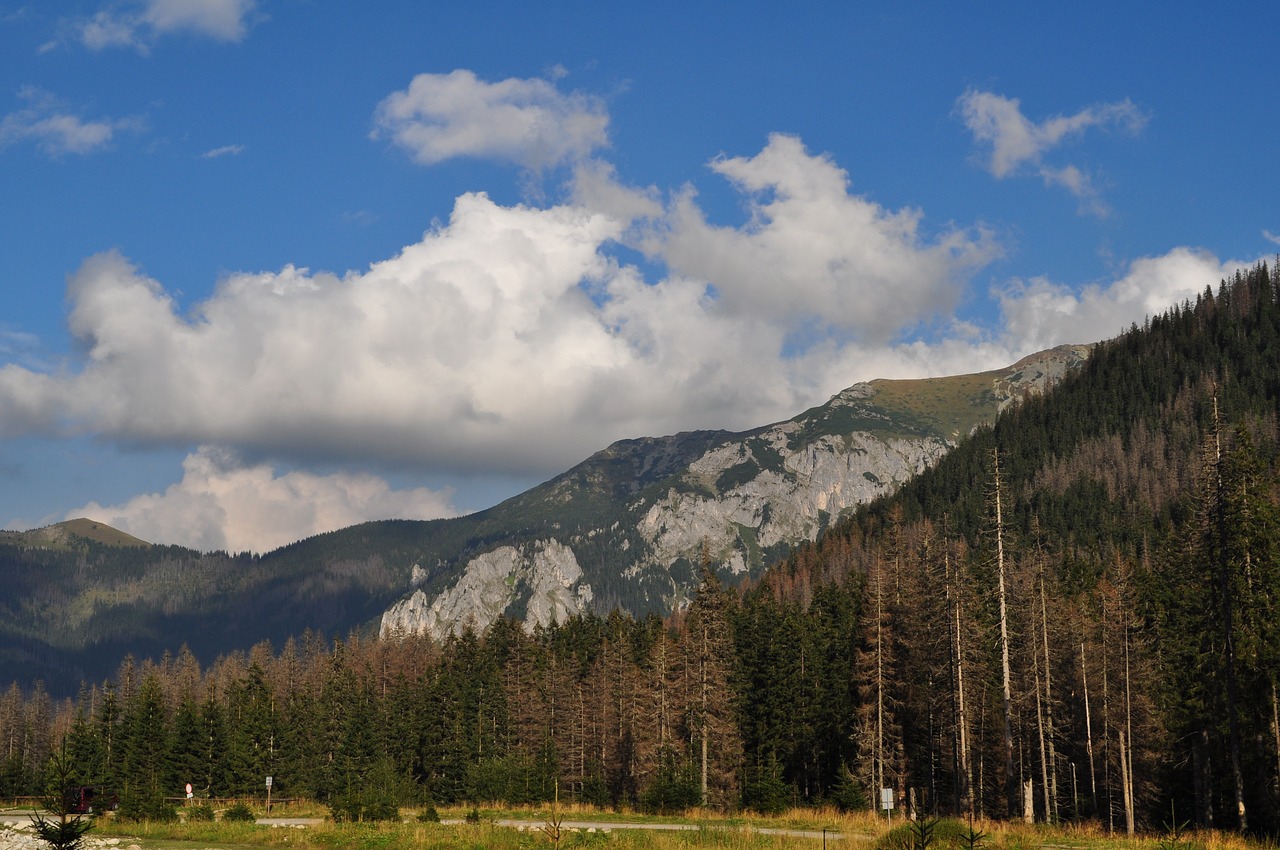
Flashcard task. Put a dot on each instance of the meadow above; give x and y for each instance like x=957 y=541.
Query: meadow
x=528 y=828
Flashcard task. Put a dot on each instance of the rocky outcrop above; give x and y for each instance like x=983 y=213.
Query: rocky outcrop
x=543 y=575
x=20 y=835
x=815 y=484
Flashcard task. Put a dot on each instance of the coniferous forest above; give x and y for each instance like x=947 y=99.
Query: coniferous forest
x=1071 y=616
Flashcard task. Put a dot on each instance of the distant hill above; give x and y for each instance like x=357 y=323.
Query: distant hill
x=622 y=529
x=62 y=535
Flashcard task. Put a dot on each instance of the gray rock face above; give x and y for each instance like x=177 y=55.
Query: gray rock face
x=646 y=508
x=821 y=480
x=544 y=575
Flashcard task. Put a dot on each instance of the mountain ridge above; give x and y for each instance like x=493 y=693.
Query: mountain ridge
x=750 y=496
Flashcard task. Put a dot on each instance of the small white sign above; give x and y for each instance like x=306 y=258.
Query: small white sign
x=268 y=781
x=886 y=798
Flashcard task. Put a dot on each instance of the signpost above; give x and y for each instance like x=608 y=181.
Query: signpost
x=886 y=801
x=190 y=794
x=268 y=795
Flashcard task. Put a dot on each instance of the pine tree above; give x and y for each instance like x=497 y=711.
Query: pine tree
x=709 y=718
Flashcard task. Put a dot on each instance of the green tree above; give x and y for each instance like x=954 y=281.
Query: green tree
x=713 y=735
x=57 y=825
x=144 y=744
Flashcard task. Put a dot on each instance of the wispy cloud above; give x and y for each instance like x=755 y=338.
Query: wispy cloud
x=526 y=121
x=58 y=131
x=225 y=150
x=1019 y=145
x=138 y=25
x=1271 y=237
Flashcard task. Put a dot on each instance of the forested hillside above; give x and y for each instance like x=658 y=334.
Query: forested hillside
x=1071 y=616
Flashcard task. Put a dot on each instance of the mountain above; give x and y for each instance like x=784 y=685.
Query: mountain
x=625 y=528
x=622 y=529
x=1073 y=615
x=62 y=535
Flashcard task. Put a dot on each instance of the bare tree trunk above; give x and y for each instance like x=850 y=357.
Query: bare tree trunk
x=1126 y=788
x=1233 y=706
x=1088 y=731
x=1010 y=785
x=879 y=748
x=1044 y=750
x=1051 y=810
x=982 y=761
x=1106 y=731
x=1126 y=743
x=1275 y=733
x=963 y=768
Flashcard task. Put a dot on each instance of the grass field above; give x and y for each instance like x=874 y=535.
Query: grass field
x=863 y=832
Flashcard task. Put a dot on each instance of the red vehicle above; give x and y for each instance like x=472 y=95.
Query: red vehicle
x=86 y=800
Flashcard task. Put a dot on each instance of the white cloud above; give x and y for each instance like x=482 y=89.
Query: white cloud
x=57 y=131
x=108 y=29
x=1038 y=313
x=529 y=122
x=225 y=150
x=224 y=20
x=139 y=25
x=1019 y=144
x=507 y=340
x=814 y=254
x=222 y=504
x=1270 y=237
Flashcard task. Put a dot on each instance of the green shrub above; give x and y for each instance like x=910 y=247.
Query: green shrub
x=357 y=806
x=429 y=815
x=595 y=792
x=930 y=834
x=239 y=813
x=765 y=790
x=848 y=795
x=199 y=812
x=155 y=809
x=674 y=789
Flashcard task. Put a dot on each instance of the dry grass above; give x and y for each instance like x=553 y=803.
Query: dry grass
x=862 y=831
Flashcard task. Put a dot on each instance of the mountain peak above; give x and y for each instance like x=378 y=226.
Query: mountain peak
x=62 y=535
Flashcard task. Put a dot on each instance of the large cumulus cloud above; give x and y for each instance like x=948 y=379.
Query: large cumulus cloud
x=508 y=339
x=812 y=251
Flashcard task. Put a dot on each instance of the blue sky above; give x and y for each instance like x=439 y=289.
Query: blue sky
x=273 y=267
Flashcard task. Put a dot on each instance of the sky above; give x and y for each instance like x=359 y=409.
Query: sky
x=274 y=267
